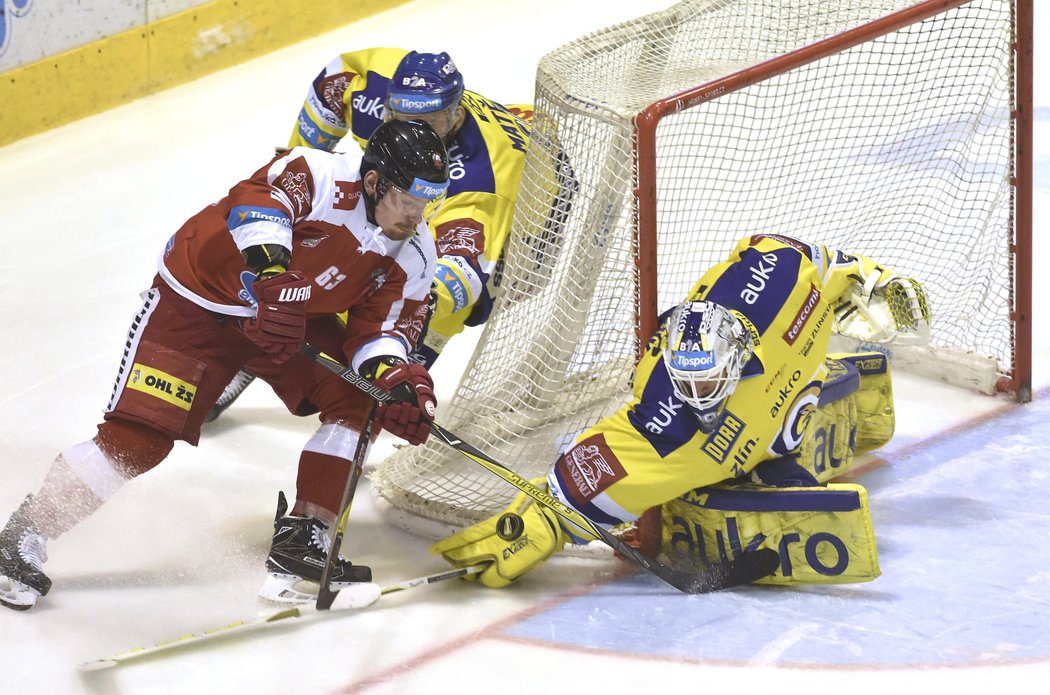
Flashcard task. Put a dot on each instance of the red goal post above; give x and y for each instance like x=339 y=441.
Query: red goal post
x=1011 y=371
x=894 y=128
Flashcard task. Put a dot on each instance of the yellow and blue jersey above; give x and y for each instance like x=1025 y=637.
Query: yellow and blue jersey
x=486 y=158
x=653 y=450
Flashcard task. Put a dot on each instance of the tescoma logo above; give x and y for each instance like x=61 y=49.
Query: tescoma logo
x=9 y=9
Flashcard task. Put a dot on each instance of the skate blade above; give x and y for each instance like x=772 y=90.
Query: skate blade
x=290 y=590
x=16 y=595
x=287 y=589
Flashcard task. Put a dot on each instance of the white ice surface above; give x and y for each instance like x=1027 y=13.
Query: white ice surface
x=959 y=497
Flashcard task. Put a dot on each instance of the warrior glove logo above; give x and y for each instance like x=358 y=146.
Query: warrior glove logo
x=294 y=294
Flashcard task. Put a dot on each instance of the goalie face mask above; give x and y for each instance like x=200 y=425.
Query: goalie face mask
x=707 y=348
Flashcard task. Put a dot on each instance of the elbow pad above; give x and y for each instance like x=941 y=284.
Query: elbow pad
x=263 y=257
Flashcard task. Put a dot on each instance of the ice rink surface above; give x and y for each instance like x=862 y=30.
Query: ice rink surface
x=958 y=497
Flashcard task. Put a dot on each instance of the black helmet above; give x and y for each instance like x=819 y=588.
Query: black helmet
x=410 y=155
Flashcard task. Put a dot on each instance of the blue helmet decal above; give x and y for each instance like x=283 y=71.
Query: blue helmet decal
x=425 y=82
x=692 y=360
x=427 y=190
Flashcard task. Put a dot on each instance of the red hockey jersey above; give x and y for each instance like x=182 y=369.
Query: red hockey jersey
x=310 y=202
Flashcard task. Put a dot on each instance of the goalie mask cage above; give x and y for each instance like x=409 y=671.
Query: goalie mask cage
x=896 y=129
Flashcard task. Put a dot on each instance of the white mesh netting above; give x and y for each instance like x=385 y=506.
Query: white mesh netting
x=899 y=148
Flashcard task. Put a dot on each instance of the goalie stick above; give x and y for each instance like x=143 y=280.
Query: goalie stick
x=353 y=598
x=743 y=569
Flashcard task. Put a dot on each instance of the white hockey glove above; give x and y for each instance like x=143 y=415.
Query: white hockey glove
x=885 y=308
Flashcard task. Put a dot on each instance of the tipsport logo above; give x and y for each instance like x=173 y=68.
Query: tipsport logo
x=8 y=10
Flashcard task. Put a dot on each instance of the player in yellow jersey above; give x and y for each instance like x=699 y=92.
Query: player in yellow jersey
x=486 y=144
x=732 y=405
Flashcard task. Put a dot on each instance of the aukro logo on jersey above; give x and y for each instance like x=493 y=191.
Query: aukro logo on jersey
x=369 y=106
x=784 y=392
x=760 y=273
x=457 y=169
x=668 y=409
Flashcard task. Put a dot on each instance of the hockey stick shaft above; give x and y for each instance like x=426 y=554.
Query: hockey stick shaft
x=239 y=626
x=744 y=569
x=325 y=595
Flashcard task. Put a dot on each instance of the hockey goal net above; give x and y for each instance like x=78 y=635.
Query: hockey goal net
x=891 y=128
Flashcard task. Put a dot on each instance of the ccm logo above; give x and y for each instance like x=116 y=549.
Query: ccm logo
x=294 y=294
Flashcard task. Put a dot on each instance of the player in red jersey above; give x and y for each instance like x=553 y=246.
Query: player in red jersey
x=244 y=282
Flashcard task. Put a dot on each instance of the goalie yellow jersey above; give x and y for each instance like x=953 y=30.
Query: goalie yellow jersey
x=652 y=450
x=486 y=158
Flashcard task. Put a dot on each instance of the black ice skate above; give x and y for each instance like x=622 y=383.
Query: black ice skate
x=23 y=551
x=298 y=553
x=232 y=391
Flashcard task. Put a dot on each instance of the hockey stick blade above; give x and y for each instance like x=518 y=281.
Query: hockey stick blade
x=743 y=569
x=350 y=598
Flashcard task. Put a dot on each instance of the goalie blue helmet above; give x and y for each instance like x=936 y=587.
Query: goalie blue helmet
x=707 y=348
x=425 y=82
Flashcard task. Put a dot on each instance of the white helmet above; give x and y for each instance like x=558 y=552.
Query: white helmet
x=707 y=348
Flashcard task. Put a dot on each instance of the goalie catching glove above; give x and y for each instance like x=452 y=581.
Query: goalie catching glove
x=514 y=542
x=884 y=307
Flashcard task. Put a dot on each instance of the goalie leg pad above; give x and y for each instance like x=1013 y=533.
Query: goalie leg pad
x=873 y=400
x=824 y=535
x=855 y=414
x=513 y=542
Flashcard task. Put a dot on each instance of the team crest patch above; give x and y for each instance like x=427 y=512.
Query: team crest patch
x=295 y=184
x=332 y=89
x=588 y=468
x=412 y=325
x=459 y=237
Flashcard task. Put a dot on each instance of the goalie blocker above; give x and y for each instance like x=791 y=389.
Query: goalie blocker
x=823 y=533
